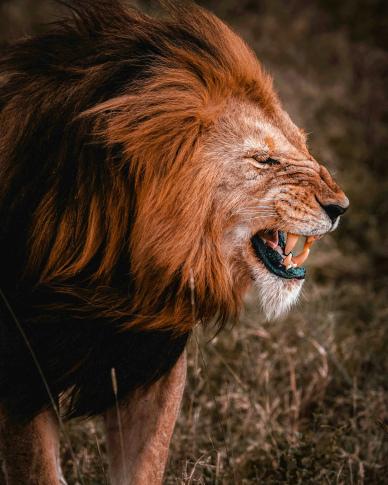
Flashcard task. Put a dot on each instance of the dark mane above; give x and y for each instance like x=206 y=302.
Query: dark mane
x=93 y=113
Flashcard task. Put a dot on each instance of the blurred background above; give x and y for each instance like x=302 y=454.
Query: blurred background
x=304 y=399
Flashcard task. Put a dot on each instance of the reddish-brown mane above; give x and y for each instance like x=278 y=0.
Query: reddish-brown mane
x=108 y=224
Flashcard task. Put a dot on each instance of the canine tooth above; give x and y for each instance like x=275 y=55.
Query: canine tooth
x=292 y=239
x=310 y=240
x=301 y=258
x=287 y=261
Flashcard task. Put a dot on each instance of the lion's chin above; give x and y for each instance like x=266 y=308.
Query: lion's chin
x=277 y=295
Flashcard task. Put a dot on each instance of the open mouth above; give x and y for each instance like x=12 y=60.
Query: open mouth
x=274 y=249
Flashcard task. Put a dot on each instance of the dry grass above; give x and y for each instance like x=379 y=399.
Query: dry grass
x=303 y=400
x=297 y=401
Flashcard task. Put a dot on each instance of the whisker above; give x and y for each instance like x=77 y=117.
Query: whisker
x=249 y=220
x=256 y=209
x=264 y=206
x=260 y=211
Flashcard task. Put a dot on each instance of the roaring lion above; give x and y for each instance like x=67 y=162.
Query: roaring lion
x=149 y=176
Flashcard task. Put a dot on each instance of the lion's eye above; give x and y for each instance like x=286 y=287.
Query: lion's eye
x=259 y=161
x=265 y=161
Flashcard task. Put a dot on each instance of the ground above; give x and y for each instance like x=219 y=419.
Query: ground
x=301 y=400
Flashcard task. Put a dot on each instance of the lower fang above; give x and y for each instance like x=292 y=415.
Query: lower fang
x=287 y=261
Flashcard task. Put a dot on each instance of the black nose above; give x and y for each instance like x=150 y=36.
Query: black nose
x=334 y=211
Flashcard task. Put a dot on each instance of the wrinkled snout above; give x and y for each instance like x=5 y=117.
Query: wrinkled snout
x=331 y=197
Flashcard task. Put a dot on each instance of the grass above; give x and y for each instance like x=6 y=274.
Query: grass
x=301 y=400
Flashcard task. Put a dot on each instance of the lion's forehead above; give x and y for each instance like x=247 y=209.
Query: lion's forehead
x=253 y=131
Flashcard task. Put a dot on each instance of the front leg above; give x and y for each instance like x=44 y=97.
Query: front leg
x=30 y=451
x=147 y=421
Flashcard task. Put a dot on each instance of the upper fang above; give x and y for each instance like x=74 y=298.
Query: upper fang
x=292 y=239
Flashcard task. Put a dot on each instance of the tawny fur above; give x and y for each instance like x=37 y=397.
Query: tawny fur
x=129 y=196
x=145 y=427
x=133 y=175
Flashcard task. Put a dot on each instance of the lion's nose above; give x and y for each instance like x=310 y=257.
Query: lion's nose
x=334 y=210
x=332 y=199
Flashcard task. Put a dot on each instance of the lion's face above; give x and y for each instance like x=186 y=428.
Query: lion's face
x=269 y=191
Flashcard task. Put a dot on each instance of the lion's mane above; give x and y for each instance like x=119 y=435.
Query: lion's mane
x=101 y=124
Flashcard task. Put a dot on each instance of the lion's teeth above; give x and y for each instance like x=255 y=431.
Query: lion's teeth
x=291 y=261
x=292 y=239
x=287 y=261
x=310 y=240
x=301 y=258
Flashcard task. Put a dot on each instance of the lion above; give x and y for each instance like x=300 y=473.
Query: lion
x=150 y=177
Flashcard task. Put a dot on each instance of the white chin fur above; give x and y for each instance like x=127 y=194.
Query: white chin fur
x=277 y=295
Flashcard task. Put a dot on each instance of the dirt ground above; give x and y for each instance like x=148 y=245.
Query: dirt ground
x=302 y=400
